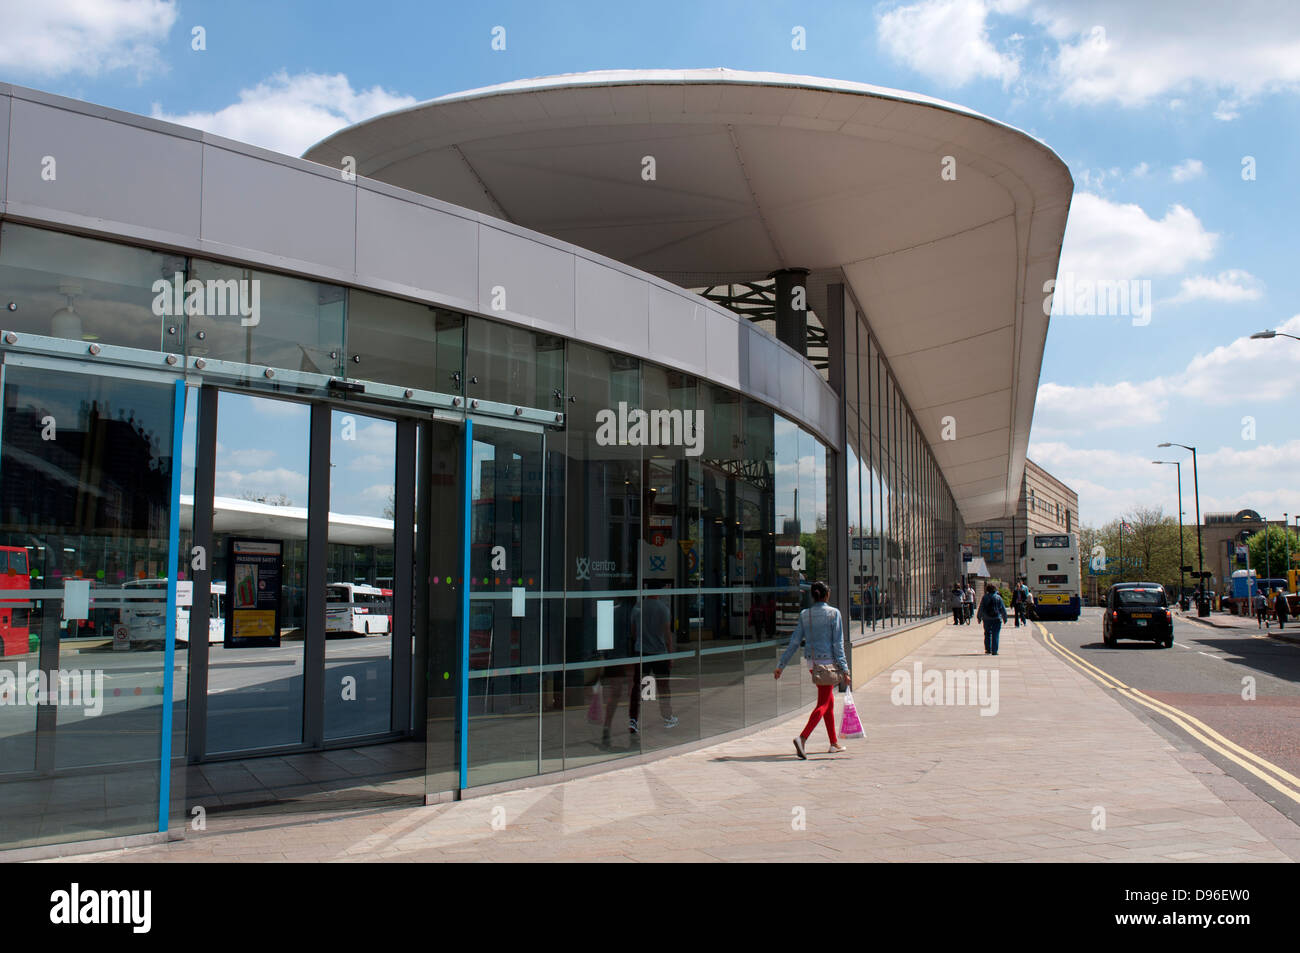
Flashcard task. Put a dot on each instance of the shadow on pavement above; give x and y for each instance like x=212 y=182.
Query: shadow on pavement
x=762 y=757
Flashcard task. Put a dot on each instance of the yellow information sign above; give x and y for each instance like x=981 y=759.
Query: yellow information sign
x=254 y=623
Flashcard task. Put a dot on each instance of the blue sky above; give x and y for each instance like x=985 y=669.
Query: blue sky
x=1153 y=106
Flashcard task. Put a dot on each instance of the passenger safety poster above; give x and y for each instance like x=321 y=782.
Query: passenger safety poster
x=254 y=583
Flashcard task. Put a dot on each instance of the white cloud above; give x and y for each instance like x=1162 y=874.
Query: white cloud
x=1134 y=54
x=1067 y=411
x=1099 y=52
x=1268 y=366
x=1226 y=111
x=1187 y=170
x=57 y=37
x=1261 y=477
x=1057 y=455
x=1238 y=474
x=1107 y=240
x=249 y=457
x=948 y=40
x=291 y=113
x=269 y=482
x=1229 y=287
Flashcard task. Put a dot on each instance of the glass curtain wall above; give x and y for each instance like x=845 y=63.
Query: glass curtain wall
x=85 y=507
x=663 y=568
x=900 y=519
x=664 y=697
x=604 y=501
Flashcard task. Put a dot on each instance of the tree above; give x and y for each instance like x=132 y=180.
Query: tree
x=1275 y=565
x=1148 y=551
x=814 y=546
x=277 y=499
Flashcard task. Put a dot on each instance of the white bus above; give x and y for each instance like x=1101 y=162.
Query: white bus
x=1052 y=570
x=216 y=617
x=146 y=618
x=358 y=609
x=144 y=607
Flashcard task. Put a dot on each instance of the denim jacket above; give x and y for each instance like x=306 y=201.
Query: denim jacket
x=823 y=632
x=992 y=608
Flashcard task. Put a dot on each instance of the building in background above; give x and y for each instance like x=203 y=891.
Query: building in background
x=1046 y=505
x=390 y=450
x=1223 y=539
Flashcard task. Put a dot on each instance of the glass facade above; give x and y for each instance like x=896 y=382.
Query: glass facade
x=633 y=572
x=902 y=525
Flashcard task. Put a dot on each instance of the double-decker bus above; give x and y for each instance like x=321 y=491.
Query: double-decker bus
x=15 y=576
x=1052 y=571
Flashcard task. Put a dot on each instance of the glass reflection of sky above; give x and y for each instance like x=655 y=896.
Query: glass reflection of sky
x=262 y=453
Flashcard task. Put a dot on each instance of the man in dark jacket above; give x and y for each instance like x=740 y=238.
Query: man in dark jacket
x=992 y=612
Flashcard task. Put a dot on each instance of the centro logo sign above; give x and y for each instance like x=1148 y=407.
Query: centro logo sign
x=584 y=567
x=214 y=298
x=657 y=428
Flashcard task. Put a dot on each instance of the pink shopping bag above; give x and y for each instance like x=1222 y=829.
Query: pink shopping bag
x=850 y=724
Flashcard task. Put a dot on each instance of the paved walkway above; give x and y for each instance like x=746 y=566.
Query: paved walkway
x=1062 y=772
x=1226 y=620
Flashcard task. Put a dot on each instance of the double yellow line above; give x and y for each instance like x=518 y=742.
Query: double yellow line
x=1263 y=769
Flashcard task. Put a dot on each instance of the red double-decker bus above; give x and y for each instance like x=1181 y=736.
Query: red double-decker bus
x=15 y=574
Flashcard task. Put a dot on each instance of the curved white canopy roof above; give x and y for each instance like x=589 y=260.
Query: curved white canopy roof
x=759 y=171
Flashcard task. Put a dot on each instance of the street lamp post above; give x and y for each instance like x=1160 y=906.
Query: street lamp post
x=1181 y=562
x=1268 y=568
x=1201 y=608
x=1266 y=335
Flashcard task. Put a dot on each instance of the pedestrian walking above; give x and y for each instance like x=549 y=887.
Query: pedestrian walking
x=614 y=679
x=652 y=635
x=1018 y=601
x=1261 y=609
x=1280 y=609
x=956 y=602
x=970 y=602
x=992 y=612
x=822 y=632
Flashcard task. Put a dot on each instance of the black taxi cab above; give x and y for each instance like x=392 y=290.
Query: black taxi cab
x=1137 y=610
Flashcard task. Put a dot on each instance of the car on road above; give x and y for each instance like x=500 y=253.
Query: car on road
x=1137 y=610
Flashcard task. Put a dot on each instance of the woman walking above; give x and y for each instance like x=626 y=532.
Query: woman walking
x=822 y=632
x=955 y=602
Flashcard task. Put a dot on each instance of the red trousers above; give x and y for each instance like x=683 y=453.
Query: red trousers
x=825 y=711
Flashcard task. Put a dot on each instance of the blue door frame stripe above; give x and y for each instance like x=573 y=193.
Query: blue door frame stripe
x=169 y=653
x=466 y=528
